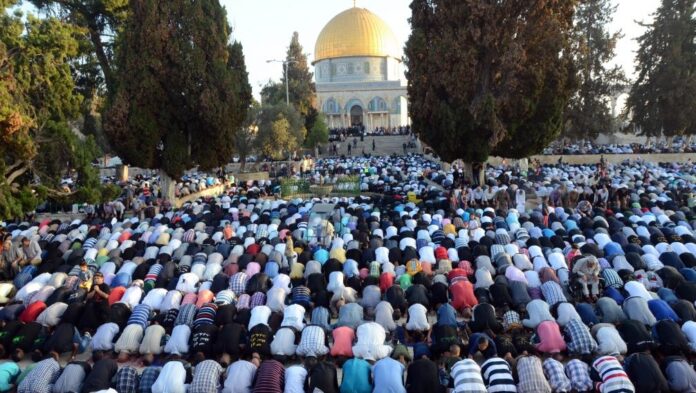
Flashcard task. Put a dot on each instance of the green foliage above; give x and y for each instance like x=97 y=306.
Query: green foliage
x=487 y=77
x=38 y=101
x=290 y=187
x=280 y=130
x=319 y=132
x=182 y=91
x=110 y=192
x=589 y=113
x=662 y=100
x=301 y=87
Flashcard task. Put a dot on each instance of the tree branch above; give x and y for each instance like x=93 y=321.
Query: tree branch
x=9 y=179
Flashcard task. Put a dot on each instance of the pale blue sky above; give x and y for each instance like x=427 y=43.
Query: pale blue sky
x=264 y=27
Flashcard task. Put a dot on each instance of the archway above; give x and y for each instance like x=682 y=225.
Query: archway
x=356 y=115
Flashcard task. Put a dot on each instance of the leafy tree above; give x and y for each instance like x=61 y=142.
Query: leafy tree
x=182 y=91
x=101 y=19
x=100 y=22
x=487 y=76
x=662 y=100
x=245 y=139
x=589 y=113
x=38 y=100
x=280 y=130
x=318 y=134
x=301 y=89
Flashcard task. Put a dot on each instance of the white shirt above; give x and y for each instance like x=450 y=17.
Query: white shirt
x=171 y=379
x=483 y=278
x=610 y=342
x=566 y=312
x=52 y=314
x=178 y=342
x=417 y=318
x=689 y=329
x=152 y=341
x=187 y=282
x=557 y=261
x=103 y=339
x=538 y=311
x=384 y=315
x=259 y=315
x=171 y=301
x=240 y=376
x=284 y=342
x=635 y=288
x=294 y=379
x=132 y=296
x=155 y=297
x=275 y=298
x=293 y=316
x=370 y=345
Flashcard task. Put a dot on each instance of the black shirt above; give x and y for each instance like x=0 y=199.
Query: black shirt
x=670 y=337
x=395 y=297
x=260 y=340
x=439 y=293
x=100 y=377
x=322 y=376
x=29 y=337
x=62 y=339
x=119 y=314
x=73 y=313
x=636 y=336
x=422 y=377
x=418 y=293
x=229 y=339
x=203 y=338
x=685 y=310
x=645 y=374
x=225 y=314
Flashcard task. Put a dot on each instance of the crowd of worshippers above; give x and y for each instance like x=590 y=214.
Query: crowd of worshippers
x=252 y=295
x=679 y=145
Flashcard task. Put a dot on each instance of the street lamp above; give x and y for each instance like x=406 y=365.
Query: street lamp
x=285 y=68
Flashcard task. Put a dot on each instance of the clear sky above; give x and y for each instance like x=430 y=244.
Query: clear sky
x=264 y=27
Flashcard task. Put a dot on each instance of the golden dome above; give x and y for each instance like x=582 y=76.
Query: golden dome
x=356 y=32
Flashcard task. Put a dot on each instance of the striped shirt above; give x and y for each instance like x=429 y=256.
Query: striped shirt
x=556 y=374
x=225 y=297
x=497 y=376
x=140 y=315
x=614 y=378
x=205 y=315
x=270 y=377
x=154 y=272
x=467 y=377
x=127 y=380
x=148 y=378
x=257 y=299
x=186 y=315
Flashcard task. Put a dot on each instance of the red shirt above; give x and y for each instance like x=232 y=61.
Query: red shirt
x=550 y=338
x=463 y=295
x=32 y=311
x=116 y=294
x=386 y=280
x=343 y=338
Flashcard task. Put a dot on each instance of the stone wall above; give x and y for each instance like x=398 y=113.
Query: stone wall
x=212 y=191
x=610 y=158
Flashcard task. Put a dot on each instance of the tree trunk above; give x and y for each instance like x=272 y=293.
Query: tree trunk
x=122 y=173
x=242 y=162
x=167 y=185
x=467 y=171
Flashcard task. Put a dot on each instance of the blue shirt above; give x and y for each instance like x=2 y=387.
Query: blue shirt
x=446 y=315
x=389 y=376
x=8 y=374
x=356 y=376
x=661 y=310
x=587 y=314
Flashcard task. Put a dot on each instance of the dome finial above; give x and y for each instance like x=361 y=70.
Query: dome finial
x=354 y=1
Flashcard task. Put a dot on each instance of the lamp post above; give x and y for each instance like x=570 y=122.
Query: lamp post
x=285 y=69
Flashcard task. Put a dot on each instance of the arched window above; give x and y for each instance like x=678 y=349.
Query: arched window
x=377 y=104
x=330 y=106
x=396 y=107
